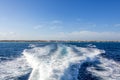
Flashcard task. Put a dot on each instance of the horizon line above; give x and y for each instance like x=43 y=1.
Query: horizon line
x=59 y=40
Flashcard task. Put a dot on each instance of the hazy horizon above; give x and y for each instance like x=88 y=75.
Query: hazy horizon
x=60 y=20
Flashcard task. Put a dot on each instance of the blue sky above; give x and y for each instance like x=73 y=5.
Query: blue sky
x=60 y=19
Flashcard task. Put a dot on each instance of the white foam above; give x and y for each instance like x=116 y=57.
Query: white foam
x=111 y=69
x=90 y=52
x=57 y=66
x=10 y=70
x=32 y=45
x=91 y=45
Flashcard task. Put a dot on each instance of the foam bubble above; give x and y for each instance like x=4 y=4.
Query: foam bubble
x=10 y=70
x=58 y=66
x=89 y=52
x=32 y=45
x=111 y=69
x=91 y=45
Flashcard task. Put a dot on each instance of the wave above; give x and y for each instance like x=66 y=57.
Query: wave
x=12 y=69
x=58 y=62
x=50 y=63
x=110 y=70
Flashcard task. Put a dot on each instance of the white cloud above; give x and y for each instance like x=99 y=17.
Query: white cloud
x=79 y=19
x=7 y=35
x=56 y=22
x=117 y=25
x=53 y=27
x=38 y=27
x=76 y=35
x=87 y=35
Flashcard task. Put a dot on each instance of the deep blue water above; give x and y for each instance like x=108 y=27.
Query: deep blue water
x=94 y=61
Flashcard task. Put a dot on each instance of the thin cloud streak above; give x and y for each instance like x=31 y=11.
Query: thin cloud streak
x=8 y=35
x=38 y=27
x=117 y=25
x=75 y=35
x=88 y=35
x=56 y=22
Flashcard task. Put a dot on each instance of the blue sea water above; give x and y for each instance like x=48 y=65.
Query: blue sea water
x=59 y=61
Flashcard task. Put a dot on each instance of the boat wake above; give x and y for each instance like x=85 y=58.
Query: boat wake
x=63 y=63
x=58 y=62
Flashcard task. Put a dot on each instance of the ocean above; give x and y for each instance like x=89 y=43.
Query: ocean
x=59 y=60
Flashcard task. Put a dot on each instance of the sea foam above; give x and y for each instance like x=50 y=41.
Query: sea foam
x=12 y=69
x=110 y=69
x=57 y=65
